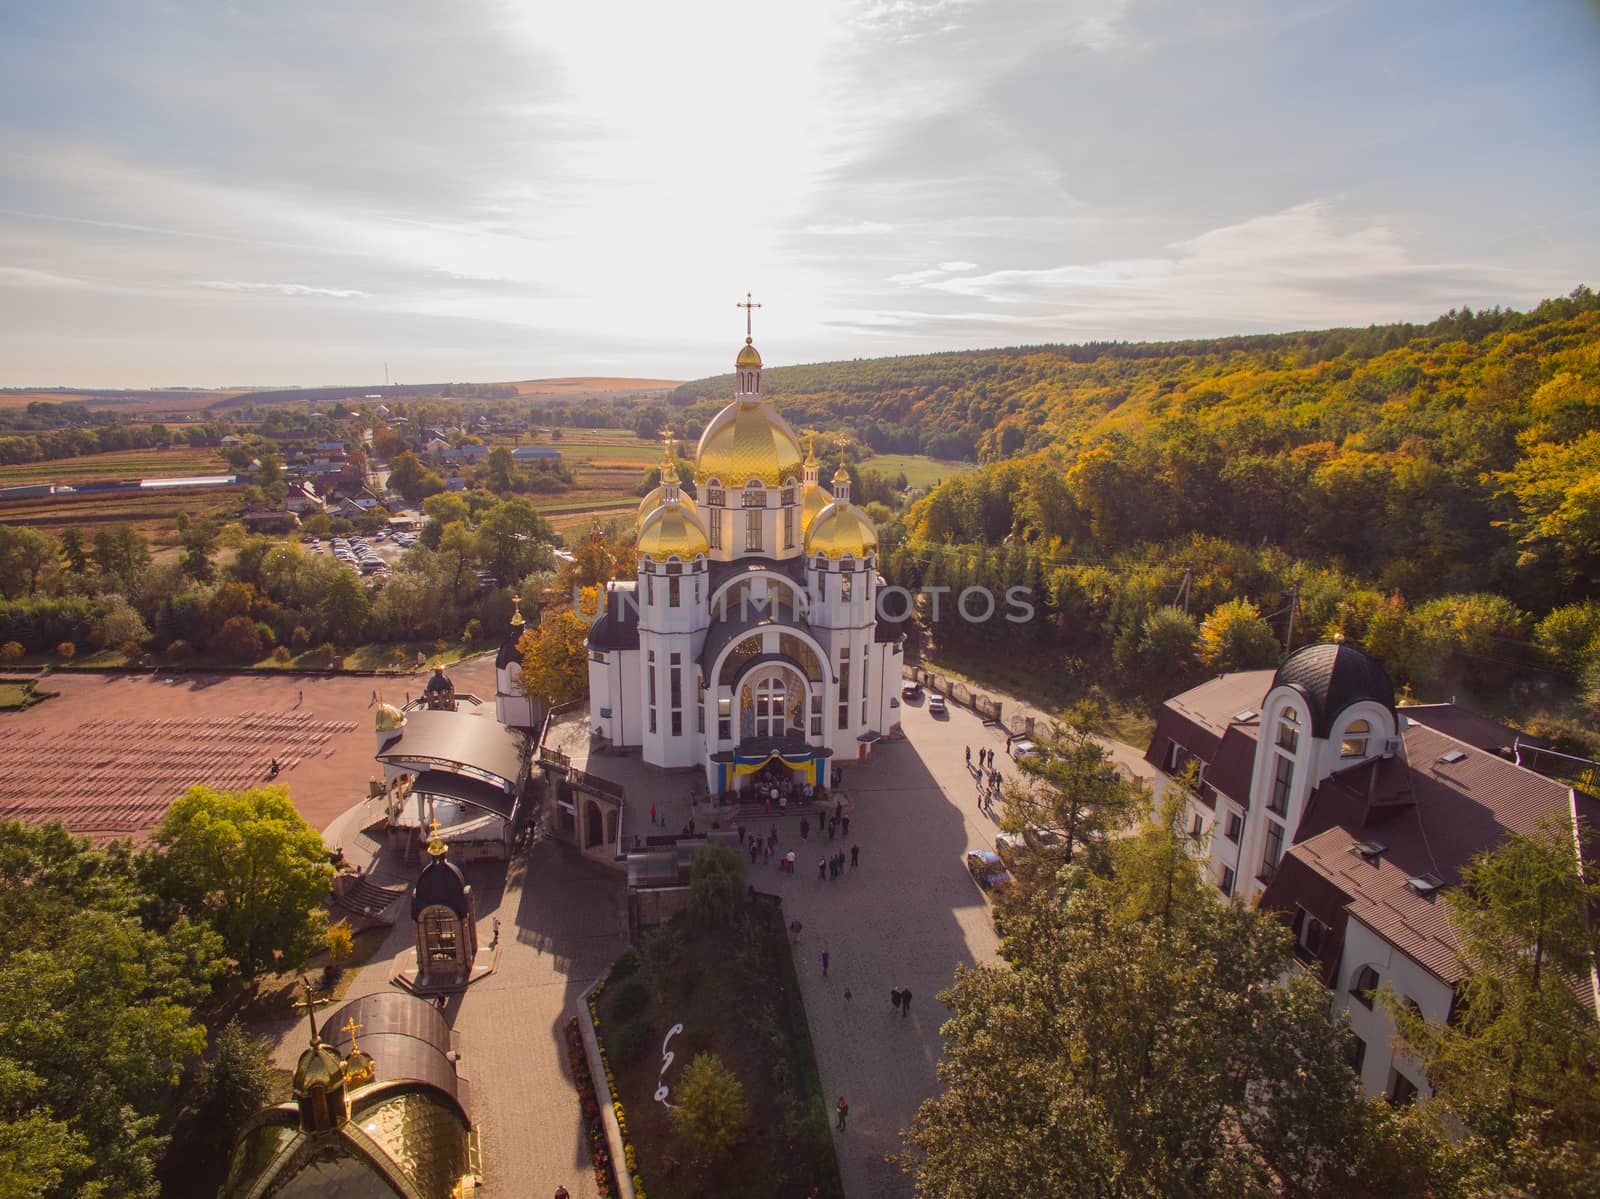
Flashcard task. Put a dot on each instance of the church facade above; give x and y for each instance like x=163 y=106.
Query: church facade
x=750 y=637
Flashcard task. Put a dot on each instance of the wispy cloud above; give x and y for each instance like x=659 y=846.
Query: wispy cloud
x=21 y=276
x=282 y=289
x=859 y=229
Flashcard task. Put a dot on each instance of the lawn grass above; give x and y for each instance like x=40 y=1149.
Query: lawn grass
x=735 y=993
x=15 y=696
x=920 y=470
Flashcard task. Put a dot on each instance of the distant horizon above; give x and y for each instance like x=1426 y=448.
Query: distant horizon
x=649 y=379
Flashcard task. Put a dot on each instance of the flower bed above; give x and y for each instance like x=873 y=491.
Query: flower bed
x=589 y=1103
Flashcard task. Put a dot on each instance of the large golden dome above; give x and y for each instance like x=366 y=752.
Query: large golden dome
x=747 y=440
x=673 y=530
x=814 y=500
x=653 y=501
x=841 y=530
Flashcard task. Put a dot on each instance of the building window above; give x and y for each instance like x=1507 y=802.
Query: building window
x=1226 y=885
x=1365 y=985
x=650 y=685
x=844 y=688
x=1289 y=730
x=1311 y=932
x=1354 y=742
x=1235 y=827
x=1176 y=756
x=675 y=691
x=788 y=528
x=788 y=495
x=1196 y=826
x=1273 y=852
x=816 y=712
x=755 y=497
x=1357 y=1055
x=752 y=529
x=673 y=596
x=714 y=530
x=1402 y=1091
x=649 y=588
x=714 y=497
x=846 y=588
x=1282 y=781
x=770 y=698
x=724 y=719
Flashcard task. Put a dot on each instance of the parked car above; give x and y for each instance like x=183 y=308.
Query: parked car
x=1021 y=748
x=987 y=870
x=911 y=690
x=936 y=706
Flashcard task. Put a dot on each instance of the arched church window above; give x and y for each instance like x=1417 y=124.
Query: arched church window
x=755 y=494
x=798 y=651
x=771 y=697
x=714 y=495
x=1289 y=729
x=1354 y=742
x=788 y=492
x=750 y=647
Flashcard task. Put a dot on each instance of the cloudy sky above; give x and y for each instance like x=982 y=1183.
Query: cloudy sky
x=215 y=192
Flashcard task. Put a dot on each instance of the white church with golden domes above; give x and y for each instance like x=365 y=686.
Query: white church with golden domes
x=750 y=640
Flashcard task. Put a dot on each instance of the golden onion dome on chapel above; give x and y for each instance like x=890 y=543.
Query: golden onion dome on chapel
x=389 y=718
x=653 y=501
x=840 y=530
x=747 y=440
x=319 y=1066
x=749 y=359
x=812 y=502
x=673 y=531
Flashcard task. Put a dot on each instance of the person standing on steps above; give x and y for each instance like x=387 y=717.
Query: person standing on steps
x=905 y=1003
x=843 y=1109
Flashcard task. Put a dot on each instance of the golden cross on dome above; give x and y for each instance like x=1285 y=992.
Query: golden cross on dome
x=310 y=1004
x=351 y=1027
x=747 y=306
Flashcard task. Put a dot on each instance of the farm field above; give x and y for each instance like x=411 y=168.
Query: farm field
x=920 y=471
x=118 y=466
x=153 y=514
x=143 y=403
x=590 y=385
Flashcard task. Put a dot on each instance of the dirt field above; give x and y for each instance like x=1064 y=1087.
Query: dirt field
x=111 y=752
x=597 y=385
x=128 y=402
x=121 y=465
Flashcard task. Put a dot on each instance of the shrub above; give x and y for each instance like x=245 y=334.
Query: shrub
x=11 y=651
x=327 y=653
x=473 y=631
x=179 y=649
x=67 y=650
x=630 y=1041
x=626 y=965
x=339 y=941
x=711 y=1108
x=628 y=999
x=281 y=656
x=238 y=640
x=300 y=638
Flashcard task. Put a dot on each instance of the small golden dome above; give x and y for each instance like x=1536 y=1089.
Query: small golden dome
x=673 y=531
x=653 y=501
x=389 y=718
x=748 y=359
x=841 y=475
x=838 y=531
x=812 y=502
x=319 y=1066
x=359 y=1068
x=747 y=440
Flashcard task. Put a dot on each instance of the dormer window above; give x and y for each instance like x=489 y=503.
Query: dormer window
x=1355 y=739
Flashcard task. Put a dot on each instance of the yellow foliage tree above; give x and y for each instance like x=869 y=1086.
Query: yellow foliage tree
x=555 y=654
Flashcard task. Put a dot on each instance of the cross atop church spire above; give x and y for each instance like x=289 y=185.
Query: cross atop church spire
x=747 y=306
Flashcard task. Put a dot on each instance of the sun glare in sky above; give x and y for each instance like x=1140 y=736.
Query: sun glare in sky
x=287 y=194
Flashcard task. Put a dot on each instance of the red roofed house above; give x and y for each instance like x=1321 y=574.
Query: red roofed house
x=1321 y=801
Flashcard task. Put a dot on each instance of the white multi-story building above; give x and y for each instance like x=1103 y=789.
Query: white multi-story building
x=750 y=636
x=1317 y=798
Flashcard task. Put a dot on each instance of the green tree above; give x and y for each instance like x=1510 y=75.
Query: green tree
x=121 y=555
x=1145 y=1039
x=24 y=555
x=238 y=640
x=1234 y=637
x=199 y=543
x=231 y=1085
x=1168 y=641
x=1516 y=1065
x=95 y=1023
x=345 y=608
x=717 y=882
x=248 y=865
x=513 y=541
x=75 y=551
x=1068 y=788
x=501 y=473
x=119 y=624
x=711 y=1112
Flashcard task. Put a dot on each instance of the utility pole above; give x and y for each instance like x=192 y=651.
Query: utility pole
x=1183 y=589
x=1294 y=602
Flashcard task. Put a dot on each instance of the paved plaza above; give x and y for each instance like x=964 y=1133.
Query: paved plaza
x=111 y=752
